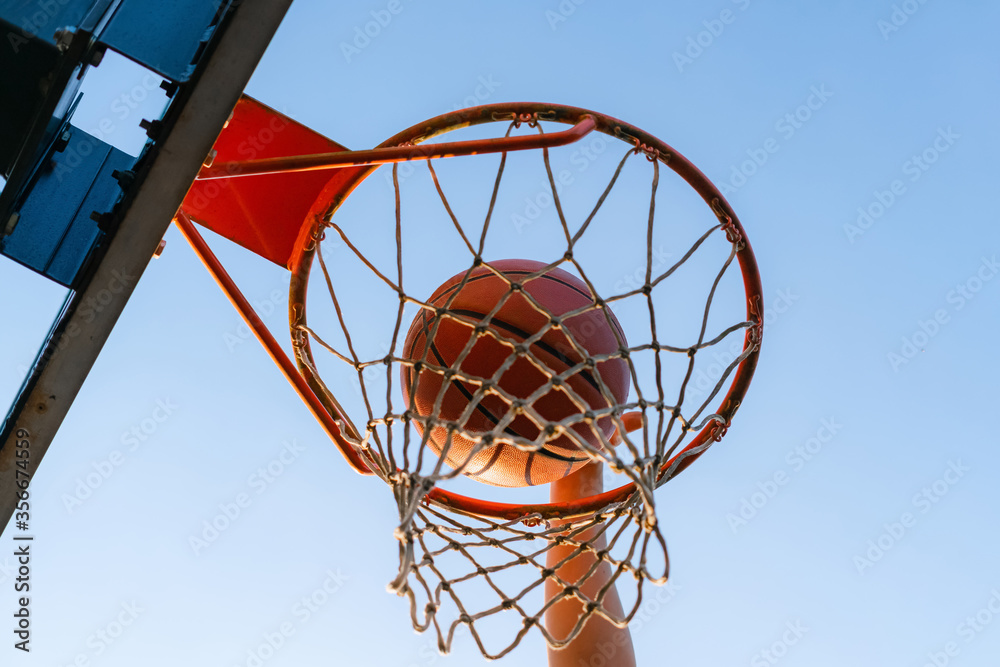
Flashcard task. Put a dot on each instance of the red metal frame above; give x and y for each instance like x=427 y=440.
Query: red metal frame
x=390 y=154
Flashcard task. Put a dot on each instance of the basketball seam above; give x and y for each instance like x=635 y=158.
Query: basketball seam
x=507 y=326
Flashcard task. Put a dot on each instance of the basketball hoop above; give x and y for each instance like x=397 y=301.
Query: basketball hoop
x=655 y=435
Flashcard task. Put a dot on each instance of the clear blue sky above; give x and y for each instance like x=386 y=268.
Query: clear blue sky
x=908 y=458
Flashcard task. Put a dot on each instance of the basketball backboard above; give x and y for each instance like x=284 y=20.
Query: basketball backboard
x=82 y=213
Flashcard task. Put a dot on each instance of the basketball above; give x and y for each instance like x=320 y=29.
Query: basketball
x=516 y=319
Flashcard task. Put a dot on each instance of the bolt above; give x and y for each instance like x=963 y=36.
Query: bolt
x=63 y=37
x=62 y=141
x=169 y=87
x=11 y=223
x=97 y=56
x=152 y=127
x=125 y=178
x=104 y=221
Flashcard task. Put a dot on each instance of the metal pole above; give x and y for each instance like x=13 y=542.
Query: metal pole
x=267 y=340
x=279 y=165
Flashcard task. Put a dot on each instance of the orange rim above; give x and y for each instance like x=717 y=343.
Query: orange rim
x=345 y=181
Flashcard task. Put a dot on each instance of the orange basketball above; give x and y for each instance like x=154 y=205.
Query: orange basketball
x=516 y=320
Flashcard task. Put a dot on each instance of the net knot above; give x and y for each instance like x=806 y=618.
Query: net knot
x=756 y=330
x=651 y=153
x=728 y=225
x=530 y=118
x=507 y=603
x=719 y=430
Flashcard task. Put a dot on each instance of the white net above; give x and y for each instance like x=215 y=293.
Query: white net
x=491 y=568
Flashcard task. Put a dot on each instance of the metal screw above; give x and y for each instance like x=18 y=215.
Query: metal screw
x=64 y=37
x=11 y=223
x=63 y=141
x=169 y=87
x=152 y=127
x=125 y=178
